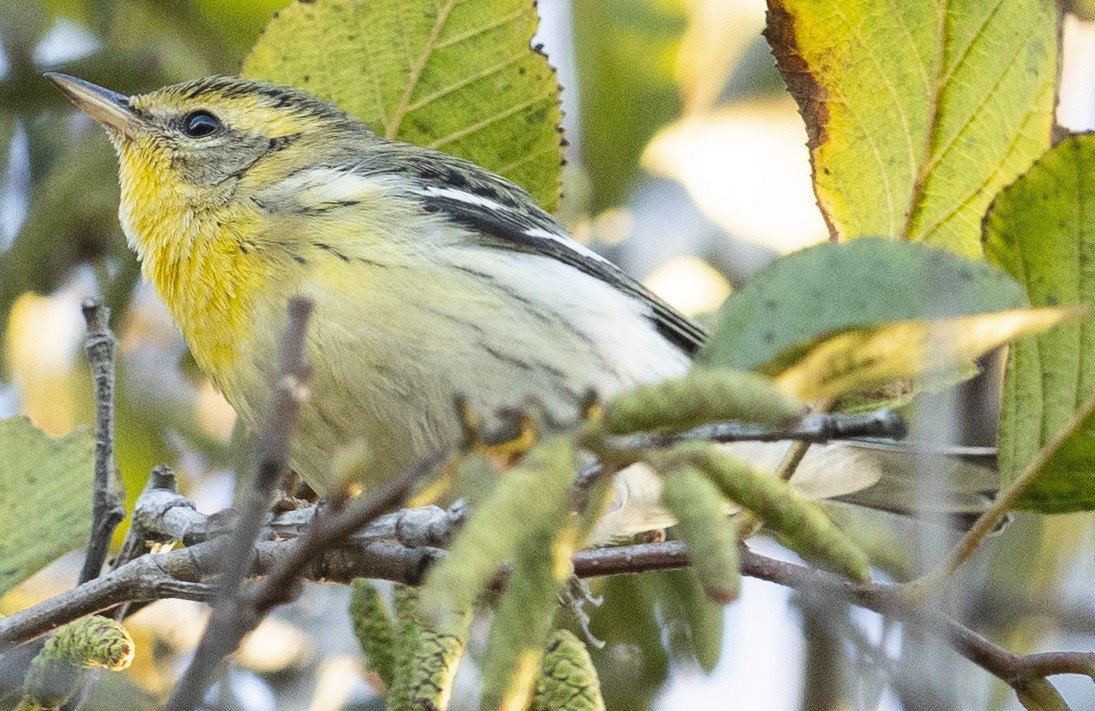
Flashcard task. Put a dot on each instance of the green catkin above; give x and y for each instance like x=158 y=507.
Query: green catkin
x=702 y=523
x=703 y=396
x=407 y=627
x=59 y=669
x=1041 y=695
x=433 y=663
x=568 y=681
x=426 y=659
x=374 y=629
x=522 y=623
x=803 y=523
x=501 y=524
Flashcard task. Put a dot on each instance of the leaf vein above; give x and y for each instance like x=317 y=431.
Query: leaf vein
x=516 y=15
x=455 y=86
x=455 y=135
x=443 y=11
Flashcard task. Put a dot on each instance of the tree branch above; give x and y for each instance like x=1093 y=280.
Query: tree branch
x=178 y=574
x=107 y=510
x=817 y=428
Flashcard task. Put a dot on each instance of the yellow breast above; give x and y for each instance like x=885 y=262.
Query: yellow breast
x=198 y=259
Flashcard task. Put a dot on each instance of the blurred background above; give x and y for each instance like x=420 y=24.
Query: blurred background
x=687 y=165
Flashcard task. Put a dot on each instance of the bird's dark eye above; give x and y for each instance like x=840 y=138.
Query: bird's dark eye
x=199 y=124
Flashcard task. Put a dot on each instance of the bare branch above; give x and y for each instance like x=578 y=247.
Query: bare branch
x=107 y=510
x=816 y=429
x=165 y=515
x=178 y=574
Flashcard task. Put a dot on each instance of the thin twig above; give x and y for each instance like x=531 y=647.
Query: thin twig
x=230 y=618
x=232 y=622
x=107 y=510
x=816 y=429
x=922 y=588
x=328 y=531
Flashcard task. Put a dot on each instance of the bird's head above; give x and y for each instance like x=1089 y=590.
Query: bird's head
x=203 y=137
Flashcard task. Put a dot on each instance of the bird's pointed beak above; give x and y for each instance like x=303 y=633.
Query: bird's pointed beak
x=109 y=108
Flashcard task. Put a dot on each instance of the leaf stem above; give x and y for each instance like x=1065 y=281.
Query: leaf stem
x=924 y=587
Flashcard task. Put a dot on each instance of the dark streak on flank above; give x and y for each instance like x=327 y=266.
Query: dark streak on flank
x=520 y=364
x=465 y=322
x=299 y=259
x=324 y=207
x=332 y=250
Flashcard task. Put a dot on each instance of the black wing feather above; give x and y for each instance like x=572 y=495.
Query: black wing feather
x=512 y=230
x=493 y=206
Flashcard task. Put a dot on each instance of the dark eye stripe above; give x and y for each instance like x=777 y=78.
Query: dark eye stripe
x=199 y=124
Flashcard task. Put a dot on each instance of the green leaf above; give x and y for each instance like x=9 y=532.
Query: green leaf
x=238 y=23
x=921 y=111
x=456 y=76
x=39 y=474
x=1038 y=230
x=797 y=301
x=1066 y=477
x=626 y=60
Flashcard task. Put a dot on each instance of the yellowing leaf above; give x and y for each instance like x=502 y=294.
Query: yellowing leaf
x=868 y=357
x=821 y=291
x=454 y=75
x=1039 y=230
x=918 y=112
x=45 y=497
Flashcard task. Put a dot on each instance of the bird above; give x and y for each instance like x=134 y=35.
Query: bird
x=432 y=278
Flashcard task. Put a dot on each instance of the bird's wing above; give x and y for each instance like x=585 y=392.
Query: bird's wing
x=499 y=210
